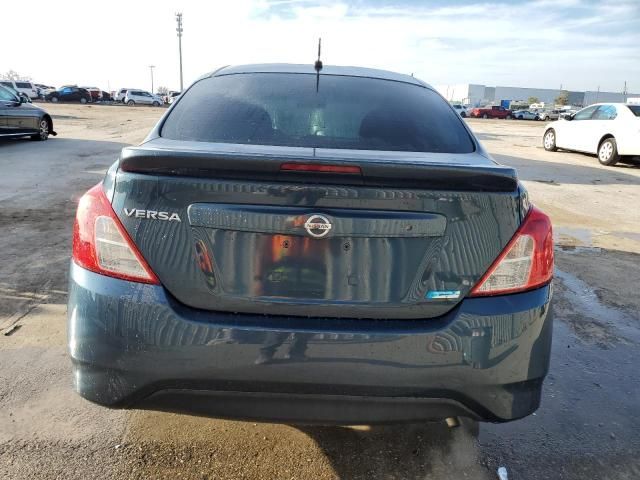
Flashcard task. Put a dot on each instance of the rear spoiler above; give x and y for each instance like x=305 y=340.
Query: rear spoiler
x=464 y=172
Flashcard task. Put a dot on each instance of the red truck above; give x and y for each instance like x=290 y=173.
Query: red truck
x=494 y=111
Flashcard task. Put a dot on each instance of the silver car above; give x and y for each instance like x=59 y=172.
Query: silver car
x=547 y=115
x=526 y=115
x=141 y=97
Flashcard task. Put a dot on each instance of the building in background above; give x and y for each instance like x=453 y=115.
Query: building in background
x=465 y=93
x=477 y=95
x=612 y=97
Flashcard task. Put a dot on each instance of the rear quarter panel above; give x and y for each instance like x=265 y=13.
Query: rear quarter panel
x=627 y=135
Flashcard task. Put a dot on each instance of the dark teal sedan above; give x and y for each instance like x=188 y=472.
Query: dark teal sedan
x=317 y=245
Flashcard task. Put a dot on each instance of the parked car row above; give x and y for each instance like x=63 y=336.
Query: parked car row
x=72 y=93
x=87 y=94
x=496 y=111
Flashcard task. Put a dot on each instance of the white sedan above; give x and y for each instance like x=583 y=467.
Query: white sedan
x=610 y=130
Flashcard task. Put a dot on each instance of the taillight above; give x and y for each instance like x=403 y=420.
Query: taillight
x=102 y=245
x=525 y=263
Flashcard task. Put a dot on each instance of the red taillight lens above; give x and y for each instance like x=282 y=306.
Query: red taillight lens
x=320 y=168
x=525 y=263
x=102 y=245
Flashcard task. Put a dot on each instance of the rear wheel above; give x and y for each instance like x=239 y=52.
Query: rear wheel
x=485 y=116
x=156 y=104
x=509 y=117
x=549 y=140
x=83 y=100
x=131 y=103
x=463 y=115
x=608 y=152
x=43 y=131
x=54 y=99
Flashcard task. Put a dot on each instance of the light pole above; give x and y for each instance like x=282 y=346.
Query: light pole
x=179 y=30
x=151 y=67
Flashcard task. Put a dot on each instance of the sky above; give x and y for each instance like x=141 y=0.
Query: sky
x=579 y=44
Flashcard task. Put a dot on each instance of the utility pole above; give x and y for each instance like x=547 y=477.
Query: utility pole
x=151 y=67
x=179 y=30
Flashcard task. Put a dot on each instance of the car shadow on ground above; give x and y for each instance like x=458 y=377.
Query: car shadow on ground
x=418 y=451
x=558 y=173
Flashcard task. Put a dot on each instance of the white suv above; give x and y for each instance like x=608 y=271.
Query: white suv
x=461 y=109
x=134 y=97
x=23 y=86
x=120 y=94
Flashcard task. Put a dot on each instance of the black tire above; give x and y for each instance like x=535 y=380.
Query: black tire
x=608 y=152
x=509 y=117
x=484 y=115
x=131 y=103
x=43 y=131
x=83 y=100
x=156 y=104
x=463 y=115
x=549 y=140
x=54 y=99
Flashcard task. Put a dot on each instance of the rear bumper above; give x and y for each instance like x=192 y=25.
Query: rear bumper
x=133 y=346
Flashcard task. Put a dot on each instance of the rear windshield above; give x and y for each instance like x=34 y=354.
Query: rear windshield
x=344 y=112
x=23 y=85
x=635 y=109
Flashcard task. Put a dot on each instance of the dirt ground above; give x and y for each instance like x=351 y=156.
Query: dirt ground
x=587 y=427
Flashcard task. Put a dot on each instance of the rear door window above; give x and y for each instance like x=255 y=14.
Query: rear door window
x=23 y=85
x=338 y=112
x=585 y=113
x=605 y=112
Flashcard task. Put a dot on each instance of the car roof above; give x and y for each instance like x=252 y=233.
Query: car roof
x=309 y=68
x=608 y=103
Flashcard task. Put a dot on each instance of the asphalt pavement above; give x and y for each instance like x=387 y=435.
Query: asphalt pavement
x=588 y=425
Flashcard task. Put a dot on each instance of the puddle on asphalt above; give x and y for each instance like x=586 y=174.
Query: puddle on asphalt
x=628 y=235
x=573 y=236
x=584 y=300
x=568 y=237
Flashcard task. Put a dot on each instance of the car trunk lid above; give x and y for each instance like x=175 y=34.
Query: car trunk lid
x=407 y=237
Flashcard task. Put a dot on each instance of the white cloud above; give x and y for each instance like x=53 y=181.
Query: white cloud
x=545 y=43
